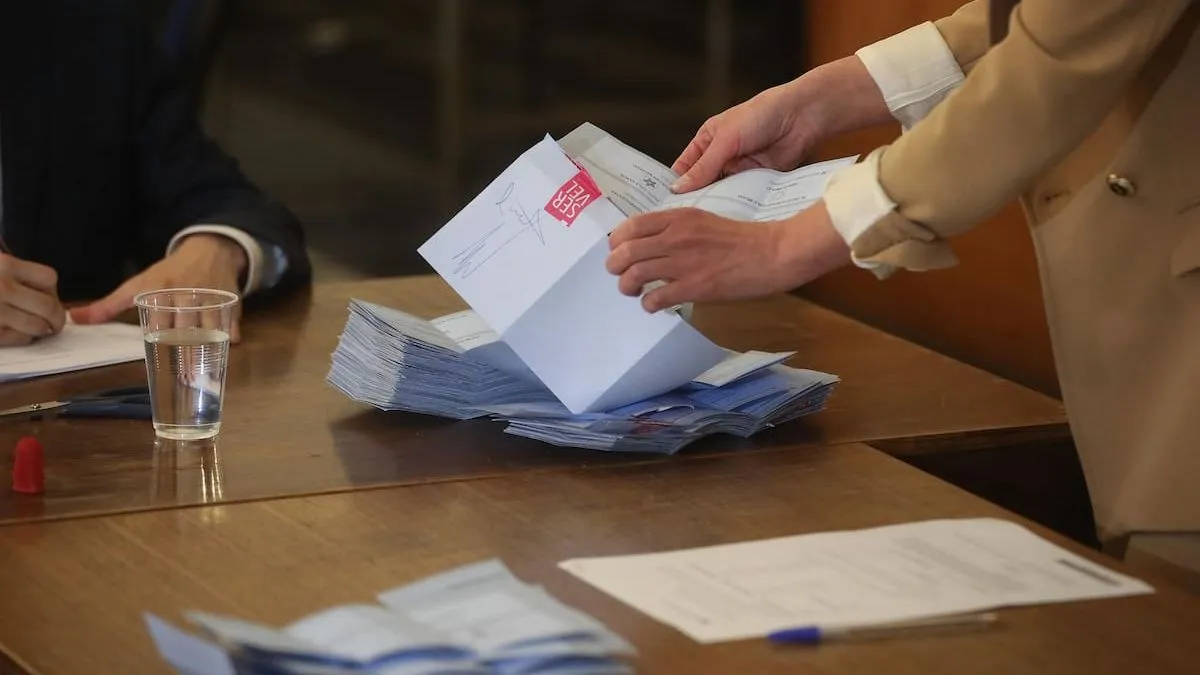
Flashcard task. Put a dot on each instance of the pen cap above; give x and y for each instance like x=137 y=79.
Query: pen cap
x=28 y=475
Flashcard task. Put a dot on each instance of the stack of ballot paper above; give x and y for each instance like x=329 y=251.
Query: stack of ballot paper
x=475 y=620
x=455 y=366
x=550 y=345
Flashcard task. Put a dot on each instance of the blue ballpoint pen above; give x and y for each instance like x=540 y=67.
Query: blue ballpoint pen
x=814 y=635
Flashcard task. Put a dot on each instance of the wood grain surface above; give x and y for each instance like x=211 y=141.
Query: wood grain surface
x=74 y=591
x=287 y=432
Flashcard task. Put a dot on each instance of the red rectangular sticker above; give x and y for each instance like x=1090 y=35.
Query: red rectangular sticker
x=573 y=197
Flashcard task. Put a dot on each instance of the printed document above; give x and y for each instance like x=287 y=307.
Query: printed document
x=528 y=254
x=851 y=578
x=77 y=347
x=637 y=183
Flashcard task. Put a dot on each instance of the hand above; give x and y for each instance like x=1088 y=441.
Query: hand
x=779 y=127
x=705 y=257
x=200 y=261
x=29 y=306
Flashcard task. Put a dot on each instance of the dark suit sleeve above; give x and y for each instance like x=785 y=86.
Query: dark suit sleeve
x=183 y=178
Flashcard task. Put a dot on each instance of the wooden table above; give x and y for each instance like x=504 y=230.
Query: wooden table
x=286 y=432
x=74 y=590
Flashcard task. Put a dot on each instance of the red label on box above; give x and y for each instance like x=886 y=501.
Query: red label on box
x=573 y=197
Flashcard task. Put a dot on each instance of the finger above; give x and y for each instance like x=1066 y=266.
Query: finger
x=740 y=164
x=669 y=295
x=30 y=273
x=638 y=227
x=636 y=251
x=693 y=151
x=707 y=167
x=107 y=308
x=14 y=338
x=634 y=279
x=41 y=305
x=18 y=320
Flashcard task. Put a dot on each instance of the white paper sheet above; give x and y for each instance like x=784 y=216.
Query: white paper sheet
x=893 y=573
x=738 y=365
x=637 y=183
x=77 y=347
x=540 y=283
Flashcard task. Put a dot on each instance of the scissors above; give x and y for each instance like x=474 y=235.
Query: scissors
x=129 y=403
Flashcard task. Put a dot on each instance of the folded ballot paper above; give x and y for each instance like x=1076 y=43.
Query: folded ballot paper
x=528 y=253
x=455 y=366
x=474 y=620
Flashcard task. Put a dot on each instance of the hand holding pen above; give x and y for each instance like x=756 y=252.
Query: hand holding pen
x=29 y=305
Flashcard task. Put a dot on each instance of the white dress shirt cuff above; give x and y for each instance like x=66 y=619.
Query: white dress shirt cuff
x=254 y=251
x=914 y=69
x=855 y=201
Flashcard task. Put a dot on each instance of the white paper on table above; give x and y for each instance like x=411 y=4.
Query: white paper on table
x=77 y=347
x=884 y=574
x=542 y=286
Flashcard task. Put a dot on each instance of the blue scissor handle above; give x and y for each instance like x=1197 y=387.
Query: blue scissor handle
x=123 y=403
x=115 y=408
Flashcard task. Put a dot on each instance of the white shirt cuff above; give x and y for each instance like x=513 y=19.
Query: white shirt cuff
x=855 y=201
x=914 y=69
x=261 y=271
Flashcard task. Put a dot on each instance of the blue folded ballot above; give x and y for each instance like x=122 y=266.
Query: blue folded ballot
x=474 y=620
x=456 y=367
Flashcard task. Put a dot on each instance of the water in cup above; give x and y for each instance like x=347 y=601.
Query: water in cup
x=187 y=380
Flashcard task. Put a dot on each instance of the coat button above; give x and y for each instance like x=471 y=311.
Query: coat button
x=1121 y=186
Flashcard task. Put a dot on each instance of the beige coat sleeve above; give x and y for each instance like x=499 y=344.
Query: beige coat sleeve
x=966 y=33
x=1026 y=103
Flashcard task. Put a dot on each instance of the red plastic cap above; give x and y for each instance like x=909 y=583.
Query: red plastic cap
x=28 y=474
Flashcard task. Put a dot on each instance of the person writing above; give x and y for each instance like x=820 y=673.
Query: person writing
x=1087 y=111
x=110 y=186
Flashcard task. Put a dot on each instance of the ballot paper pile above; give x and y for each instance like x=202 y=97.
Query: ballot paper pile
x=551 y=346
x=474 y=620
x=455 y=366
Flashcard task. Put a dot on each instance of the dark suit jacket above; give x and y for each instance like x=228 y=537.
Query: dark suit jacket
x=103 y=156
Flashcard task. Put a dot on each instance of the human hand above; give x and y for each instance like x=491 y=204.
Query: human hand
x=780 y=126
x=200 y=261
x=705 y=257
x=29 y=305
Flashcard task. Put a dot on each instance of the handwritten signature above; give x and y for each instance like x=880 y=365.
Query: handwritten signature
x=478 y=252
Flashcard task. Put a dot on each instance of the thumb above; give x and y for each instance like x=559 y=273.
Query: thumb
x=106 y=309
x=707 y=167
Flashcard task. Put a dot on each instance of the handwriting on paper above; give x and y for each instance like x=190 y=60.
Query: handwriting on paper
x=514 y=221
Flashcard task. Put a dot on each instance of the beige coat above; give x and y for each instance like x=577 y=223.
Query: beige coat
x=1089 y=112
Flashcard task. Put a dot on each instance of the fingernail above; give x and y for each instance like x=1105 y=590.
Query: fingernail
x=681 y=184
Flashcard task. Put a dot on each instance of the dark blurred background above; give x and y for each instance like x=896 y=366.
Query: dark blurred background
x=375 y=120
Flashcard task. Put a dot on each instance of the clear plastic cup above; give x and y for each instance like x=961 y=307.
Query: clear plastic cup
x=186 y=331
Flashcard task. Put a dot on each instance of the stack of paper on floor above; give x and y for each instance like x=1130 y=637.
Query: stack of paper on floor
x=455 y=366
x=475 y=620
